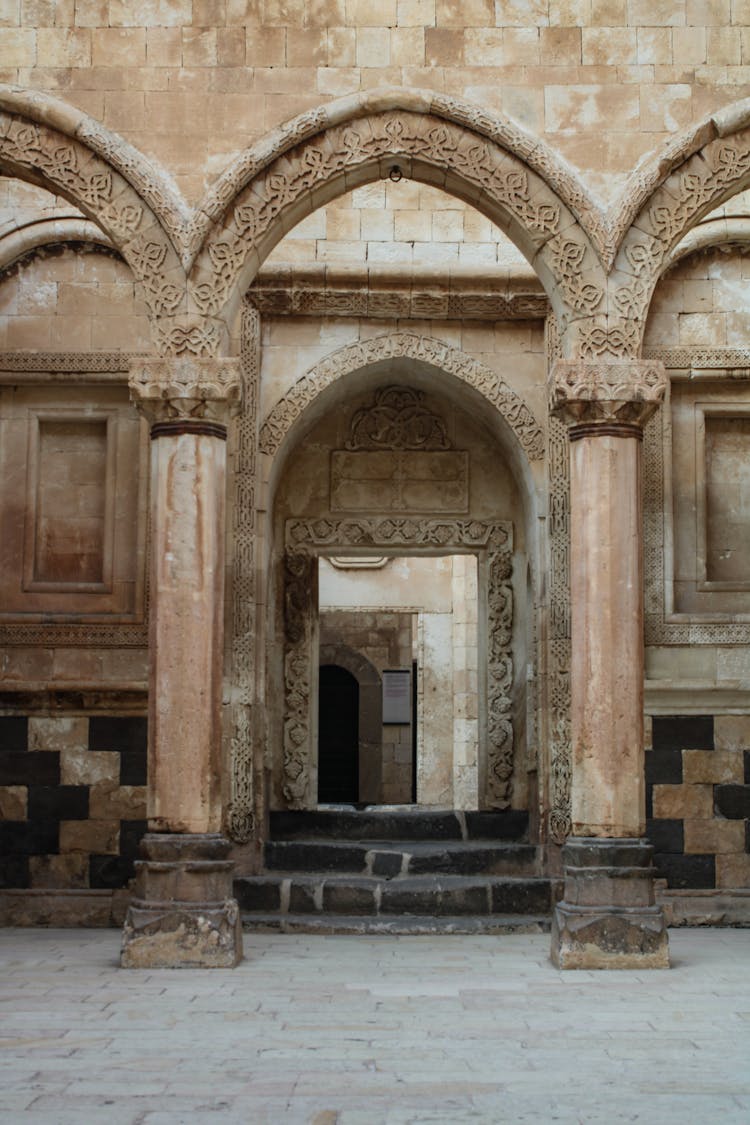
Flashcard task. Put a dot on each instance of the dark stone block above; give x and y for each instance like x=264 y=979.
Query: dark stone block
x=666 y=835
x=649 y=801
x=510 y=824
x=387 y=864
x=747 y=836
x=302 y=898
x=664 y=767
x=469 y=898
x=732 y=801
x=19 y=767
x=59 y=802
x=133 y=767
x=14 y=871
x=125 y=734
x=518 y=896
x=258 y=893
x=131 y=834
x=683 y=732
x=314 y=855
x=686 y=871
x=25 y=837
x=746 y=756
x=14 y=733
x=349 y=898
x=108 y=872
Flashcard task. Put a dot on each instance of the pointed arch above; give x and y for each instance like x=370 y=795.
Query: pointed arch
x=45 y=142
x=490 y=163
x=665 y=201
x=403 y=345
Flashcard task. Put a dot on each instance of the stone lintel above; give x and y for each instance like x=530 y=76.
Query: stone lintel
x=182 y=914
x=186 y=388
x=608 y=918
x=625 y=393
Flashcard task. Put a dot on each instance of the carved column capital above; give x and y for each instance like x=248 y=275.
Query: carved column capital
x=186 y=391
x=600 y=395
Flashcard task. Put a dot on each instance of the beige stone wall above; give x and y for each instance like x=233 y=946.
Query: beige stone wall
x=603 y=80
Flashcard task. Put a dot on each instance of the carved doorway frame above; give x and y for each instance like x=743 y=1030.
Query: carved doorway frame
x=305 y=541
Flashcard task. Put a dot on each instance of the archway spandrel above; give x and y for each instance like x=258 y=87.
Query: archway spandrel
x=399 y=345
x=426 y=148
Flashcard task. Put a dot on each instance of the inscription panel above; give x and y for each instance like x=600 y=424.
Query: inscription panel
x=395 y=481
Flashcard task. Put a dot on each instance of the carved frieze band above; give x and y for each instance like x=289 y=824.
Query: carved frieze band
x=305 y=539
x=425 y=300
x=398 y=345
x=189 y=388
x=610 y=393
x=243 y=730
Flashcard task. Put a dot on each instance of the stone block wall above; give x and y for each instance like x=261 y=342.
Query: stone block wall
x=72 y=800
x=698 y=800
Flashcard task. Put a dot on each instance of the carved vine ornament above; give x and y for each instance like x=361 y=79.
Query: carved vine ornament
x=598 y=268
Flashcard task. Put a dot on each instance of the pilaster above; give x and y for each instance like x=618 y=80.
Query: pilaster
x=607 y=917
x=177 y=918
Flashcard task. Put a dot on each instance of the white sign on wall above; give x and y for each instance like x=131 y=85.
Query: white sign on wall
x=397 y=696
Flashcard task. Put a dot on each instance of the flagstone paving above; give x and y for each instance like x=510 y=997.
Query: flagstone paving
x=341 y=1030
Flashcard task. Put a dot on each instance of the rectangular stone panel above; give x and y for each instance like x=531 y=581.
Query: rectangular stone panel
x=727 y=469
x=68 y=539
x=399 y=481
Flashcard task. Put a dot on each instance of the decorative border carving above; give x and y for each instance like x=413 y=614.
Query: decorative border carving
x=398 y=345
x=427 y=298
x=559 y=646
x=242 y=719
x=306 y=539
x=68 y=363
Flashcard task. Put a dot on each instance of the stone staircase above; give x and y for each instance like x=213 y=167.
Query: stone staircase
x=397 y=870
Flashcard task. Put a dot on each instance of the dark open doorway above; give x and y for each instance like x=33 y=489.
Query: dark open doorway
x=338 y=736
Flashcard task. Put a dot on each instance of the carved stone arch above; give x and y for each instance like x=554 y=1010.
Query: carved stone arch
x=403 y=345
x=44 y=142
x=699 y=172
x=488 y=163
x=24 y=240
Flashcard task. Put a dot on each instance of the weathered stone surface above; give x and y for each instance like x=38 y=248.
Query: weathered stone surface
x=13 y=801
x=182 y=914
x=608 y=917
x=79 y=766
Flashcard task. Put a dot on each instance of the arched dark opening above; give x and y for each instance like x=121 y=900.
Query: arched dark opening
x=338 y=736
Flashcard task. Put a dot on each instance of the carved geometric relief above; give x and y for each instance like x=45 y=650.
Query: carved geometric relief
x=399 y=481
x=396 y=345
x=304 y=541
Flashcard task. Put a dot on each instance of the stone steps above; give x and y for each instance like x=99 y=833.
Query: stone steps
x=394 y=870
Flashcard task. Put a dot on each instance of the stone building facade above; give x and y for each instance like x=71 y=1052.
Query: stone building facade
x=285 y=281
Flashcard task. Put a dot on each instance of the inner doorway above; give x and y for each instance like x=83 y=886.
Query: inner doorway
x=338 y=736
x=410 y=624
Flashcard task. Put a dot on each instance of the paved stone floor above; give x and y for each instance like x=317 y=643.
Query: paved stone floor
x=345 y=1030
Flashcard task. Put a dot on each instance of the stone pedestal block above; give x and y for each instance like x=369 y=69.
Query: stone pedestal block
x=608 y=918
x=183 y=915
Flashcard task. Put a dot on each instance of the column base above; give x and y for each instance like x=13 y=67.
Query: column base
x=183 y=915
x=608 y=918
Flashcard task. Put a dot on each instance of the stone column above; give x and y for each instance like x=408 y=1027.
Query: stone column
x=183 y=913
x=607 y=918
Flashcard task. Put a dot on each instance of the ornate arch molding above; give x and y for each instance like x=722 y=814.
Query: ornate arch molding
x=45 y=142
x=325 y=154
x=715 y=233
x=401 y=345
x=24 y=240
x=686 y=191
x=501 y=131
x=305 y=540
